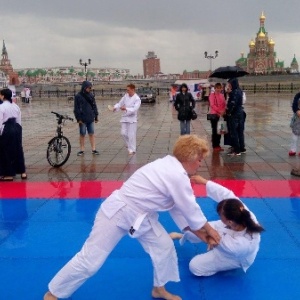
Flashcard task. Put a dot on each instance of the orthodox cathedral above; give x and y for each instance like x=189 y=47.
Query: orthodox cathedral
x=261 y=58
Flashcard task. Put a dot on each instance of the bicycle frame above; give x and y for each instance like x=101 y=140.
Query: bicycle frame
x=60 y=124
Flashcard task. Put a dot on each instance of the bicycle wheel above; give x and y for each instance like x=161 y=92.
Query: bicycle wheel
x=58 y=151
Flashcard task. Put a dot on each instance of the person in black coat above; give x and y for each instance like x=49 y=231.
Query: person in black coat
x=235 y=118
x=184 y=104
x=86 y=113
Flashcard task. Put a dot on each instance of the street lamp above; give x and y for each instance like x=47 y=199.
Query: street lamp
x=85 y=64
x=210 y=57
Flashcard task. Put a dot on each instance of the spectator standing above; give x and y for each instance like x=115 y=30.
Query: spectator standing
x=27 y=95
x=86 y=114
x=184 y=104
x=23 y=95
x=295 y=136
x=217 y=105
x=11 y=150
x=129 y=105
x=235 y=118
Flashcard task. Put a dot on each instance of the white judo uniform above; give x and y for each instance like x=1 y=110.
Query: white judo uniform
x=162 y=185
x=9 y=110
x=129 y=119
x=237 y=249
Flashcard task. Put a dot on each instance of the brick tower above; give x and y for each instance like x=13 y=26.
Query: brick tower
x=6 y=67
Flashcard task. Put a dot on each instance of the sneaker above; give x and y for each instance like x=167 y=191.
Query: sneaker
x=80 y=153
x=234 y=154
x=95 y=152
x=292 y=153
x=295 y=172
x=243 y=150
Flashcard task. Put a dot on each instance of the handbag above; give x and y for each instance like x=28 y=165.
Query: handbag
x=194 y=115
x=211 y=117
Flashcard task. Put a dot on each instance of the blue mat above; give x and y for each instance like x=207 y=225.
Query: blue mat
x=37 y=237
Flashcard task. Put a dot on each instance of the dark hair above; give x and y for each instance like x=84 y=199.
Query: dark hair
x=7 y=93
x=184 y=85
x=234 y=210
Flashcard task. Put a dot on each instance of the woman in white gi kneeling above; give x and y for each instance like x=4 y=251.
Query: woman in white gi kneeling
x=238 y=228
x=163 y=185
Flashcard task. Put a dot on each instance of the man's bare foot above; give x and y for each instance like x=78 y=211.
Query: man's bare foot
x=175 y=235
x=161 y=293
x=49 y=296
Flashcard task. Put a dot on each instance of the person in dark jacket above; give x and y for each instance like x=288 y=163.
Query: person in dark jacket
x=295 y=137
x=184 y=104
x=235 y=118
x=86 y=113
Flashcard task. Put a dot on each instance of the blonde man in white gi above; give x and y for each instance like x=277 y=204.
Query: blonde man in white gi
x=238 y=228
x=162 y=185
x=129 y=104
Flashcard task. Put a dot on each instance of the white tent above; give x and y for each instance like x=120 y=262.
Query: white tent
x=195 y=86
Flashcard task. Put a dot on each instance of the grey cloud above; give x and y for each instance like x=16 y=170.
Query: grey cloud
x=119 y=33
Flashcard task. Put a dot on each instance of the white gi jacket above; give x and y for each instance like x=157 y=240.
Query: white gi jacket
x=238 y=246
x=9 y=110
x=162 y=185
x=132 y=105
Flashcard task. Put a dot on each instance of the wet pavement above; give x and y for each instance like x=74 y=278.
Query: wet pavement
x=267 y=137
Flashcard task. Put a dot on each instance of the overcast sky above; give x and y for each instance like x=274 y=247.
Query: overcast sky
x=119 y=33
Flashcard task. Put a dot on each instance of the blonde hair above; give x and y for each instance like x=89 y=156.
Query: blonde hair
x=190 y=147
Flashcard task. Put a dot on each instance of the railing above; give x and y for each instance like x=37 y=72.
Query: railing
x=267 y=88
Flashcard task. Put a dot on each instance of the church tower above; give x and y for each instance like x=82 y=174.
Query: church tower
x=6 y=67
x=261 y=58
x=294 y=65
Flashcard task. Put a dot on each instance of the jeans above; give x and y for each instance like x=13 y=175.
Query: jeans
x=236 y=124
x=86 y=127
x=215 y=137
x=185 y=127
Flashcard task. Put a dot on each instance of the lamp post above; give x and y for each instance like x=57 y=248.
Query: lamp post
x=210 y=57
x=85 y=64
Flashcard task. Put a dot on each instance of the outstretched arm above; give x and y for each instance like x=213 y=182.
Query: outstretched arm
x=214 y=190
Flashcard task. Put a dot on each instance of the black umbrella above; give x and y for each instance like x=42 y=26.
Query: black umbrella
x=228 y=72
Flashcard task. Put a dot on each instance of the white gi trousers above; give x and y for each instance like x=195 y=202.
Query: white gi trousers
x=103 y=238
x=128 y=132
x=211 y=262
x=294 y=142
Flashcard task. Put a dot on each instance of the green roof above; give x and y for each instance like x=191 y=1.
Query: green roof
x=294 y=61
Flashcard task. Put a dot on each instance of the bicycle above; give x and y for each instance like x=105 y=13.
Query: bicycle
x=59 y=147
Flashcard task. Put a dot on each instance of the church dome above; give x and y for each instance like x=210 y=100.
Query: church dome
x=251 y=44
x=262 y=17
x=261 y=34
x=271 y=42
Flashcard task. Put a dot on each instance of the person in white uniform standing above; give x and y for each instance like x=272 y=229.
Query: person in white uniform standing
x=129 y=104
x=238 y=228
x=162 y=185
